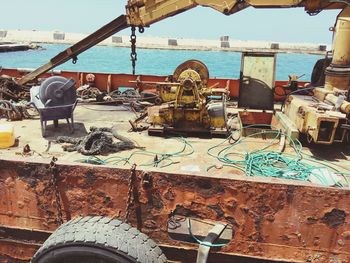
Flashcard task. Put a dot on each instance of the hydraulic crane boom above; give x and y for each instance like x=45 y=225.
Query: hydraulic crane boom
x=146 y=12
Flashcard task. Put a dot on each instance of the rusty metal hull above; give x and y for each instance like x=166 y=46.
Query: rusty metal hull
x=272 y=219
x=110 y=82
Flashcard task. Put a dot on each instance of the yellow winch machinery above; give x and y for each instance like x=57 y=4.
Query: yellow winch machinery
x=188 y=104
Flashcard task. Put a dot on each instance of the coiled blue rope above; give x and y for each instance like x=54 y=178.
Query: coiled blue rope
x=267 y=163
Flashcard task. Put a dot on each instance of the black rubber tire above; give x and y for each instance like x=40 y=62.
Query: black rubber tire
x=318 y=73
x=98 y=240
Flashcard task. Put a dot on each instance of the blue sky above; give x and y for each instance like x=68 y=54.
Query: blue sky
x=284 y=25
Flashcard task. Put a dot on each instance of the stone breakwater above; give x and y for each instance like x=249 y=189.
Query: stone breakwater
x=224 y=43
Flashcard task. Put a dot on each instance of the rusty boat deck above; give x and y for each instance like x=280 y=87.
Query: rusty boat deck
x=43 y=149
x=274 y=219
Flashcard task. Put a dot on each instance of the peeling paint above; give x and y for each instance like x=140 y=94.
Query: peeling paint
x=273 y=221
x=334 y=218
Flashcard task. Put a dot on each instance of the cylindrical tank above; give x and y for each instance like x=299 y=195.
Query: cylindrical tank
x=338 y=73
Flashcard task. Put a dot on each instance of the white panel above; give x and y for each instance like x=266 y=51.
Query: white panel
x=261 y=67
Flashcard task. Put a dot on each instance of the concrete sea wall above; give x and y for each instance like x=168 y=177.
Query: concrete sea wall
x=224 y=43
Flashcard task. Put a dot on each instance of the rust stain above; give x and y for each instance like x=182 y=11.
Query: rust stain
x=273 y=221
x=334 y=218
x=12 y=250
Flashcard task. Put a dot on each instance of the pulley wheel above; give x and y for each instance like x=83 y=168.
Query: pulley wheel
x=195 y=65
x=51 y=89
x=189 y=78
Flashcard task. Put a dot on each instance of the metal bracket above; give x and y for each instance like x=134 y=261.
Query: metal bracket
x=345 y=126
x=205 y=245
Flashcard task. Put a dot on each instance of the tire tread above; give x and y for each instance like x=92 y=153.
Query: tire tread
x=104 y=232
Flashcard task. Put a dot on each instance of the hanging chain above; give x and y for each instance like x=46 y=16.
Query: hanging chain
x=133 y=54
x=130 y=200
x=54 y=185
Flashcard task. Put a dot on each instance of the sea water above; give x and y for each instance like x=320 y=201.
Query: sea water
x=154 y=61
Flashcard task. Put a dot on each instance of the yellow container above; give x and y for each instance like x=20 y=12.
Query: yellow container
x=7 y=136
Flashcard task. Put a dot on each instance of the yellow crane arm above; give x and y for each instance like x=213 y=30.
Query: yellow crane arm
x=147 y=12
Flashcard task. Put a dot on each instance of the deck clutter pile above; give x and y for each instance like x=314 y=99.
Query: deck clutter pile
x=89 y=93
x=99 y=141
x=19 y=102
x=14 y=100
x=10 y=90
